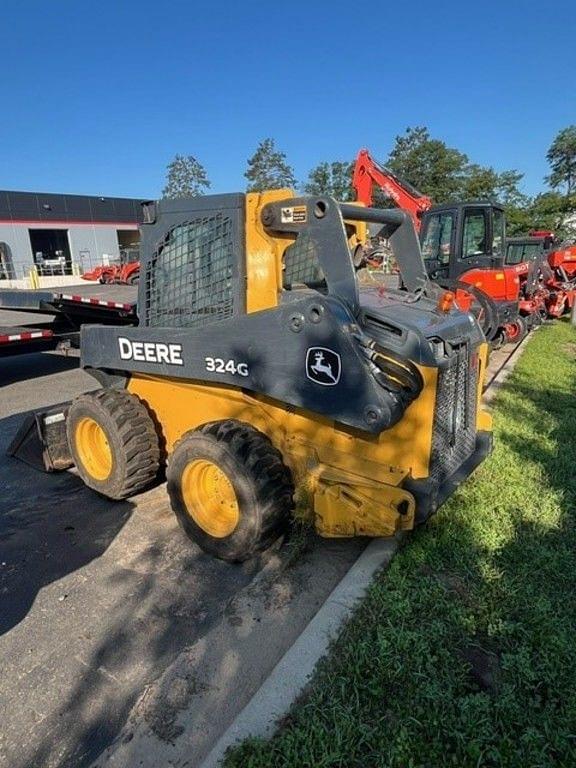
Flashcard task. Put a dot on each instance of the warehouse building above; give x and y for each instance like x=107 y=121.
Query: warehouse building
x=62 y=234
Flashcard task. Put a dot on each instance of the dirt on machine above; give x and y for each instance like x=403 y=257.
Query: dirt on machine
x=262 y=377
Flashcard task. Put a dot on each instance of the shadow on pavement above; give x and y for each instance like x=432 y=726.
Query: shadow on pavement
x=44 y=537
x=25 y=367
x=50 y=526
x=163 y=598
x=95 y=603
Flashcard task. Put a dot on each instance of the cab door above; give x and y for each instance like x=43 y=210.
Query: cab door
x=438 y=241
x=481 y=240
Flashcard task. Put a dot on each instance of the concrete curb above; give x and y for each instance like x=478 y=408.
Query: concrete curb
x=289 y=677
x=286 y=681
x=498 y=380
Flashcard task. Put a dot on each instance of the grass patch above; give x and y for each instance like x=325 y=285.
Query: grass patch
x=463 y=652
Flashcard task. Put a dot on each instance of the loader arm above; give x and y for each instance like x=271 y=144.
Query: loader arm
x=324 y=221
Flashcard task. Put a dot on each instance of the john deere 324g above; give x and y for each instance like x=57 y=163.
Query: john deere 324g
x=261 y=372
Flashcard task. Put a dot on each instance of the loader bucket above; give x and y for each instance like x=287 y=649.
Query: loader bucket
x=41 y=441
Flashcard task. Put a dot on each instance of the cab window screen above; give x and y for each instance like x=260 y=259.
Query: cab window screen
x=437 y=242
x=475 y=241
x=189 y=280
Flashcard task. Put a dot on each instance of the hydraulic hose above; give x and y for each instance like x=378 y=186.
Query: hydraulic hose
x=393 y=372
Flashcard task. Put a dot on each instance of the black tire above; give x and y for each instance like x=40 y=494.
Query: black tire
x=131 y=438
x=261 y=482
x=483 y=308
x=522 y=330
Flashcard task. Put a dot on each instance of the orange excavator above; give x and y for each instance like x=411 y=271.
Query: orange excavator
x=463 y=245
x=369 y=174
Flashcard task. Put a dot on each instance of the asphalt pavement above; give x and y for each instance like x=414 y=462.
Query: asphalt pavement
x=110 y=616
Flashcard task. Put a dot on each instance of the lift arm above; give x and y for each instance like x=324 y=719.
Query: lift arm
x=368 y=173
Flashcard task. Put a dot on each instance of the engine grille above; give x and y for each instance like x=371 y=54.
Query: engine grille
x=189 y=279
x=454 y=430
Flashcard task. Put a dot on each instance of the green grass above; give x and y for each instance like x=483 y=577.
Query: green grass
x=463 y=653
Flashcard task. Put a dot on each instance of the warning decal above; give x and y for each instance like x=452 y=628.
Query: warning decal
x=295 y=214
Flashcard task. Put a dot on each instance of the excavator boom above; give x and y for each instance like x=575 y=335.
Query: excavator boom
x=369 y=173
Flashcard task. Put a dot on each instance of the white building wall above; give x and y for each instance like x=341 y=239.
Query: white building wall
x=90 y=244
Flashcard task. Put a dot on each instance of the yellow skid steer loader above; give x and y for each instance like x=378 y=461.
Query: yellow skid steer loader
x=261 y=371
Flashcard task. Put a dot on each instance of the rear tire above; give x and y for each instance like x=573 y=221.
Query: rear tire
x=230 y=489
x=113 y=442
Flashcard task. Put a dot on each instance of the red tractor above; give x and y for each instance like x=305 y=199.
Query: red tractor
x=547 y=272
x=127 y=272
x=463 y=245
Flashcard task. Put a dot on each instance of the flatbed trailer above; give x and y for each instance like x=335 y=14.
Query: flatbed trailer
x=68 y=312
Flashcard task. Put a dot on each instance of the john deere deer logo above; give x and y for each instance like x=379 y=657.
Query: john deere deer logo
x=323 y=366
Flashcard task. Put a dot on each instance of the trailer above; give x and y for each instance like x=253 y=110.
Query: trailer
x=67 y=312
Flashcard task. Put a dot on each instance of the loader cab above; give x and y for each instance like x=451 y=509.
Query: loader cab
x=459 y=237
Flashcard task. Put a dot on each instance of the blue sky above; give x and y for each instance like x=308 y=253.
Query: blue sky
x=98 y=96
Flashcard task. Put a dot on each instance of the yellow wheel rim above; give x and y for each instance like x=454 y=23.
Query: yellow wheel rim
x=93 y=448
x=210 y=498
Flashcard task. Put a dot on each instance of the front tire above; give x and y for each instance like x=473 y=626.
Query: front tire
x=230 y=489
x=517 y=330
x=113 y=442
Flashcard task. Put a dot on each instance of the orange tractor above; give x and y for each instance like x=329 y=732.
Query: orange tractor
x=127 y=272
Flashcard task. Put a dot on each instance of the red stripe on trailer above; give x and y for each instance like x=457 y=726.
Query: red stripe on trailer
x=50 y=224
x=26 y=336
x=97 y=302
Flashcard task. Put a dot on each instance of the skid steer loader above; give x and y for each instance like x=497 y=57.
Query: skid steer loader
x=261 y=373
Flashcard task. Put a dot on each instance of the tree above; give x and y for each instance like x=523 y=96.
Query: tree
x=548 y=210
x=444 y=173
x=428 y=164
x=333 y=179
x=185 y=177
x=562 y=159
x=551 y=210
x=480 y=183
x=268 y=169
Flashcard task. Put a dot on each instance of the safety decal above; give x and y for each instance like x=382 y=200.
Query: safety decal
x=294 y=214
x=323 y=366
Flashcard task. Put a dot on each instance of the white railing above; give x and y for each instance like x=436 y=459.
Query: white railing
x=27 y=276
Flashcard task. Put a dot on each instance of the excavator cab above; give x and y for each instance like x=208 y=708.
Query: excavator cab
x=463 y=246
x=458 y=237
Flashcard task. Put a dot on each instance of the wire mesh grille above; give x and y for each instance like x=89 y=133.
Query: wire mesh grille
x=454 y=431
x=302 y=265
x=189 y=281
